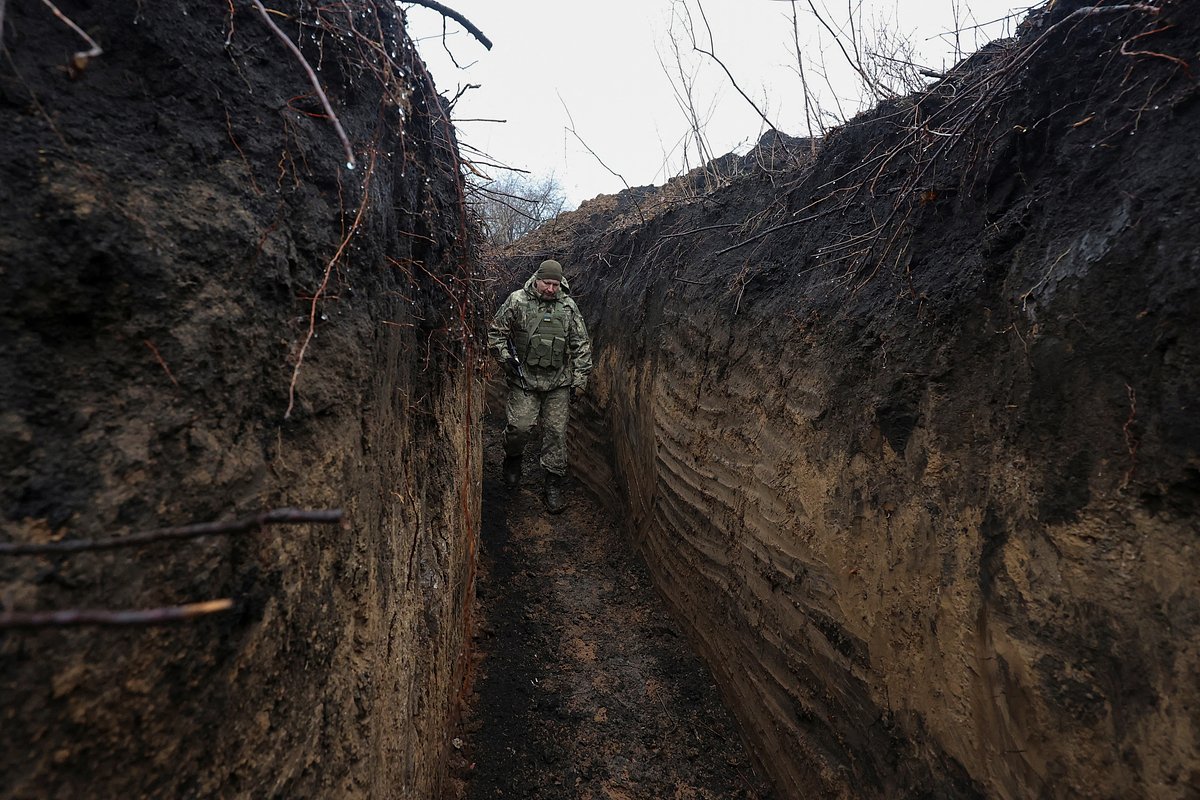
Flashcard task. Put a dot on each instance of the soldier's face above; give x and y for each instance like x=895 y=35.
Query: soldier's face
x=545 y=288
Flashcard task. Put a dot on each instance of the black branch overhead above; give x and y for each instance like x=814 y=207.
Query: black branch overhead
x=457 y=17
x=278 y=516
x=77 y=617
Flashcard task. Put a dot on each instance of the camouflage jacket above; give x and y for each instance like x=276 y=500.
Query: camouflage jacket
x=548 y=337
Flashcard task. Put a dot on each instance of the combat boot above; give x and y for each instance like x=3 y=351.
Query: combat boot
x=554 y=493
x=512 y=471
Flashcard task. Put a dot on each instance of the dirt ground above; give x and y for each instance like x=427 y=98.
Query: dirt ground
x=586 y=688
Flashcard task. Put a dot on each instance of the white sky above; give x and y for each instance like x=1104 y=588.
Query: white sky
x=601 y=61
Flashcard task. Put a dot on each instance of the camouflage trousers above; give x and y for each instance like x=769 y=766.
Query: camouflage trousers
x=523 y=410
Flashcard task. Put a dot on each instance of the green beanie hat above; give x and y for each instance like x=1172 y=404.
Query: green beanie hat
x=550 y=270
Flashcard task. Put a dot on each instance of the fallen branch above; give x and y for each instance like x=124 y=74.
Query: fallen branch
x=83 y=616
x=278 y=516
x=457 y=17
x=312 y=78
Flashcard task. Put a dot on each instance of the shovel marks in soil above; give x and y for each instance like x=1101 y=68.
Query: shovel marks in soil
x=587 y=688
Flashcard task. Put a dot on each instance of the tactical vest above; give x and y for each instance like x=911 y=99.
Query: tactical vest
x=544 y=341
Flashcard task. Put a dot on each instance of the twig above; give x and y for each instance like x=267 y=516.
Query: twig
x=925 y=70
x=1012 y=15
x=733 y=81
x=457 y=17
x=854 y=61
x=278 y=516
x=463 y=90
x=312 y=78
x=80 y=59
x=571 y=130
x=83 y=616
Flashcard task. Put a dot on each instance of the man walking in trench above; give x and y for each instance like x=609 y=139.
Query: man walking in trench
x=540 y=337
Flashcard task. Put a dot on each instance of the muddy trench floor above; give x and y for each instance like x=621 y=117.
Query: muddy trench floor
x=585 y=687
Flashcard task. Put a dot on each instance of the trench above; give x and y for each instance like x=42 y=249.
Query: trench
x=912 y=463
x=586 y=686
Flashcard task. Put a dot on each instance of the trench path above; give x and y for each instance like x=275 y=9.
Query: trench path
x=586 y=687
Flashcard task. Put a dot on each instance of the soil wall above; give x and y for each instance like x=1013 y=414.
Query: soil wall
x=168 y=213
x=908 y=431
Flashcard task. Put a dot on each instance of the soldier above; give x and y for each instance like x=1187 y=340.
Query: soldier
x=539 y=336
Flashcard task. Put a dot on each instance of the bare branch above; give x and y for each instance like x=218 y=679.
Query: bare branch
x=461 y=91
x=571 y=130
x=711 y=54
x=854 y=61
x=457 y=17
x=959 y=30
x=809 y=99
x=83 y=616
x=278 y=516
x=312 y=78
x=513 y=206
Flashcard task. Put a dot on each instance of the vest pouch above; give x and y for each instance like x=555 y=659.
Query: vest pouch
x=547 y=350
x=541 y=350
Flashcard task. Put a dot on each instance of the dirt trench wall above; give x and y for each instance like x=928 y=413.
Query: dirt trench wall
x=166 y=217
x=928 y=500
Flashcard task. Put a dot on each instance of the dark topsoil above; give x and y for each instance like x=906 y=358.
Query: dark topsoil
x=587 y=688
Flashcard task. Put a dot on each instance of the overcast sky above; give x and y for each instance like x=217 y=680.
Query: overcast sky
x=597 y=67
